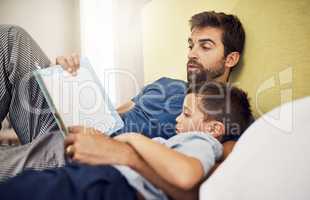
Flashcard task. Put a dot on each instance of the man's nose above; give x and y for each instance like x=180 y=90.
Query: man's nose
x=192 y=54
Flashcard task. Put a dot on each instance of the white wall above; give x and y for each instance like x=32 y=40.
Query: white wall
x=54 y=24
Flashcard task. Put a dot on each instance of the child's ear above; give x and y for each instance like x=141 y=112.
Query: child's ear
x=216 y=128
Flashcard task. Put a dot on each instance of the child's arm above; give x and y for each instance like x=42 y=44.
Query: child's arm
x=174 y=167
x=137 y=163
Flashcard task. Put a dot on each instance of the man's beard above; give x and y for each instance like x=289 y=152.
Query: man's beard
x=201 y=74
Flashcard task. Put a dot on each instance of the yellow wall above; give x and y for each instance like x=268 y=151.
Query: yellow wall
x=275 y=67
x=166 y=30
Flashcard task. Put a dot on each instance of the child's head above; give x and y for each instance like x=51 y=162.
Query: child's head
x=217 y=108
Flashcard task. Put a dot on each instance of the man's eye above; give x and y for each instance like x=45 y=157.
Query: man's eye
x=206 y=48
x=190 y=46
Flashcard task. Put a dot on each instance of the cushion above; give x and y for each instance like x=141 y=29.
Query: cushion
x=270 y=161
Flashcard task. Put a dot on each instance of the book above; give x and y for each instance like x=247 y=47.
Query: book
x=78 y=100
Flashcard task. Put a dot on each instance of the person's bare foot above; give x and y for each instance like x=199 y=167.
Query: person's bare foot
x=8 y=137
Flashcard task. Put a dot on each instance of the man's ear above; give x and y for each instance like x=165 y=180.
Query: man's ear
x=216 y=128
x=232 y=59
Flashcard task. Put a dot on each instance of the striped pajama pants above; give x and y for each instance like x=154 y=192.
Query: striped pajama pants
x=22 y=100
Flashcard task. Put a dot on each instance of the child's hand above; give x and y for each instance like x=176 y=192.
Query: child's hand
x=128 y=137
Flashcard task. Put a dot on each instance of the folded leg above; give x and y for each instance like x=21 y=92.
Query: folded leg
x=20 y=95
x=22 y=100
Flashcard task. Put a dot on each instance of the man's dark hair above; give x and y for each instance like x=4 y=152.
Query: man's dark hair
x=233 y=36
x=227 y=104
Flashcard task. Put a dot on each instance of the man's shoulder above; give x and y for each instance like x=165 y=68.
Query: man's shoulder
x=169 y=85
x=166 y=80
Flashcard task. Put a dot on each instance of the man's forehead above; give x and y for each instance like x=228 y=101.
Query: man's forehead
x=206 y=33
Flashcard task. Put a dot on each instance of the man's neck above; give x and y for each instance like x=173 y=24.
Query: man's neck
x=224 y=78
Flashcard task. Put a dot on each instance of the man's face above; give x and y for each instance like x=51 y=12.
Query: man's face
x=206 y=59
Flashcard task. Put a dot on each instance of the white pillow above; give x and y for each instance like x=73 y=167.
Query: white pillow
x=270 y=161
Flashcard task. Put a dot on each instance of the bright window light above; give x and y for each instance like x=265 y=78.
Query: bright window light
x=97 y=40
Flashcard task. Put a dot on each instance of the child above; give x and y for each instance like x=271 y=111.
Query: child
x=211 y=113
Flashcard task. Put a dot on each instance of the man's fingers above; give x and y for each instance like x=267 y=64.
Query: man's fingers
x=62 y=61
x=76 y=129
x=70 y=150
x=80 y=129
x=69 y=140
x=70 y=63
x=87 y=159
x=76 y=60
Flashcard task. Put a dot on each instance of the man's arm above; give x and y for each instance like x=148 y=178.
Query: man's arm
x=96 y=149
x=86 y=145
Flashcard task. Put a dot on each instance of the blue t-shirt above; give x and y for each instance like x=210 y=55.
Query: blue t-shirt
x=156 y=109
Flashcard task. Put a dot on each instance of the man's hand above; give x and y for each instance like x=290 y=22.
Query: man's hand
x=69 y=63
x=89 y=146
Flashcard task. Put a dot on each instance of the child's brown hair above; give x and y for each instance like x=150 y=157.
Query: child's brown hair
x=227 y=104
